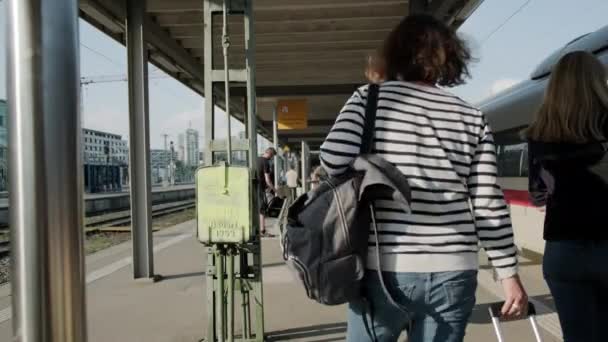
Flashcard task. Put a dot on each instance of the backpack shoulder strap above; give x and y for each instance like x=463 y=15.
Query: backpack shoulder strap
x=370 y=119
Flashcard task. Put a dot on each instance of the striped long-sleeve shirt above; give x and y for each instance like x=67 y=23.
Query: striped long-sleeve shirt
x=445 y=148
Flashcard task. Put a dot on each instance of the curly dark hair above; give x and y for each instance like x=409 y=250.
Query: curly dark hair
x=423 y=49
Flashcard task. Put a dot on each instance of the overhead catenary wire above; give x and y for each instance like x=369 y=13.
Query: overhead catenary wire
x=505 y=22
x=85 y=80
x=153 y=75
x=102 y=55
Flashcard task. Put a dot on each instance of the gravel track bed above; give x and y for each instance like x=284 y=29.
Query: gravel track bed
x=97 y=241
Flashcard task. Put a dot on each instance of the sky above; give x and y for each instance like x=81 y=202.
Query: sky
x=509 y=56
x=504 y=58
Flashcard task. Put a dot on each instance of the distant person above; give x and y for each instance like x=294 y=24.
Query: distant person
x=317 y=176
x=568 y=173
x=266 y=189
x=429 y=258
x=375 y=71
x=291 y=180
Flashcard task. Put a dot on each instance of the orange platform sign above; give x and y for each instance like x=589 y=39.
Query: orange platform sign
x=292 y=114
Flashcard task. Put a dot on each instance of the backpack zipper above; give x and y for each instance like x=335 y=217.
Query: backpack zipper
x=304 y=272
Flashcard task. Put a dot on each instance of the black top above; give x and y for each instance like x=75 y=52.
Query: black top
x=572 y=181
x=263 y=168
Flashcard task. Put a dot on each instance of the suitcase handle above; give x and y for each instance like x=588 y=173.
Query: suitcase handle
x=495 y=309
x=495 y=314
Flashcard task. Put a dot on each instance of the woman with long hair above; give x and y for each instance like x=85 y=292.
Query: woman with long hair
x=568 y=174
x=429 y=257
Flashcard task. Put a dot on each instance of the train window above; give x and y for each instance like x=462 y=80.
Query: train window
x=512 y=160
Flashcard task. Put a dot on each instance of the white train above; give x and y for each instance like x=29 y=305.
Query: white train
x=511 y=111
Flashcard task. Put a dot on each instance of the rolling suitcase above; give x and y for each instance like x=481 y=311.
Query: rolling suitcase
x=275 y=206
x=495 y=315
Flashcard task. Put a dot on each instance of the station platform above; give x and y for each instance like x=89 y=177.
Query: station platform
x=120 y=309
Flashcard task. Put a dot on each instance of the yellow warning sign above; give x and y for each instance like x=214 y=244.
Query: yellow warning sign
x=292 y=114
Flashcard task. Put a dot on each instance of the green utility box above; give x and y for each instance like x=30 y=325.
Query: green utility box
x=223 y=204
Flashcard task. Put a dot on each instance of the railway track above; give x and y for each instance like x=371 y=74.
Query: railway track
x=118 y=219
x=124 y=217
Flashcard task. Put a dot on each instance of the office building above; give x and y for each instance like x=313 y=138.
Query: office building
x=192 y=148
x=181 y=147
x=105 y=159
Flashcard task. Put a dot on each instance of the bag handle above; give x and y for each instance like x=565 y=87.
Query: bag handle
x=370 y=119
x=387 y=294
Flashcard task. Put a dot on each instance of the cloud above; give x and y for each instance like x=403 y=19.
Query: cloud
x=108 y=120
x=502 y=84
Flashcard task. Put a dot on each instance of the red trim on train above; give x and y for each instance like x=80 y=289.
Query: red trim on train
x=518 y=197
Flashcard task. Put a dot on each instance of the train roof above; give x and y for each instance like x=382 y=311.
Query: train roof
x=513 y=108
x=595 y=42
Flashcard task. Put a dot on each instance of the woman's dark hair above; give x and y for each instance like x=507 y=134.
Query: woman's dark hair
x=423 y=49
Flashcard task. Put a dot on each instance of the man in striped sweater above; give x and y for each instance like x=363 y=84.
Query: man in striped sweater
x=445 y=148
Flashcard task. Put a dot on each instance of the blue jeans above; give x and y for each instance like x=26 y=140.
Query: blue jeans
x=441 y=304
x=577 y=275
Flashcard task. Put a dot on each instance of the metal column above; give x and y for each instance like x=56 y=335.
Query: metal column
x=275 y=144
x=256 y=247
x=48 y=283
x=305 y=166
x=139 y=140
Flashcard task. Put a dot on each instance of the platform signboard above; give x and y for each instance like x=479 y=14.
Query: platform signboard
x=223 y=204
x=292 y=114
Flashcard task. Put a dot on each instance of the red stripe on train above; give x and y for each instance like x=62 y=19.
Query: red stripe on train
x=518 y=197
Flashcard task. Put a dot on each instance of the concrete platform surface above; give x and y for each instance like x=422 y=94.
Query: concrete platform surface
x=173 y=309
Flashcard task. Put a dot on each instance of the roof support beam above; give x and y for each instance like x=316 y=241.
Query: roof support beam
x=453 y=12
x=444 y=9
x=157 y=36
x=192 y=77
x=295 y=55
x=420 y=6
x=161 y=39
x=371 y=11
x=177 y=6
x=192 y=38
x=301 y=90
x=262 y=28
x=174 y=6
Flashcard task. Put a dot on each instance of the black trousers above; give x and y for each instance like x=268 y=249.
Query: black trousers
x=577 y=275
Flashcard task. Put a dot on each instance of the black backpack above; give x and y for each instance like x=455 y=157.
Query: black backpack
x=325 y=240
